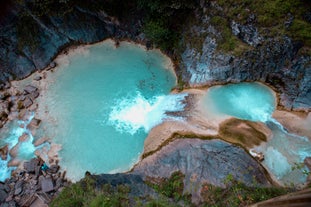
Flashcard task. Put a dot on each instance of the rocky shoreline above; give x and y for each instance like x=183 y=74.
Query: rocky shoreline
x=20 y=97
x=34 y=185
x=278 y=60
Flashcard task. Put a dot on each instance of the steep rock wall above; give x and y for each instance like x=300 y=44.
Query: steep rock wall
x=274 y=61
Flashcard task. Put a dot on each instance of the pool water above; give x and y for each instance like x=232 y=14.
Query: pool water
x=284 y=152
x=101 y=103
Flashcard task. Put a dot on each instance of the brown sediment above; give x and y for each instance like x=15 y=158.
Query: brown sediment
x=245 y=133
x=295 y=122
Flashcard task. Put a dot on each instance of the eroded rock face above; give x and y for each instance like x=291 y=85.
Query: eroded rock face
x=273 y=60
x=52 y=34
x=202 y=161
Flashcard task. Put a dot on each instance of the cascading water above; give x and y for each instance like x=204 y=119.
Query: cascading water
x=133 y=114
x=284 y=154
x=256 y=102
x=248 y=101
x=25 y=148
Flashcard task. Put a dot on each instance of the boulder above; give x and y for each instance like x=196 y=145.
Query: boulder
x=3 y=195
x=29 y=89
x=203 y=161
x=38 y=203
x=33 y=95
x=53 y=169
x=46 y=183
x=30 y=166
x=27 y=199
x=27 y=102
x=247 y=33
x=18 y=188
x=37 y=78
x=4 y=152
x=34 y=123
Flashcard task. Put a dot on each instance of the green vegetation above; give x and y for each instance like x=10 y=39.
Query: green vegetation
x=164 y=19
x=159 y=33
x=227 y=41
x=270 y=19
x=87 y=194
x=238 y=194
x=172 y=187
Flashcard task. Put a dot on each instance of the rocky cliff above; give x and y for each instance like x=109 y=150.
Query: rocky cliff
x=256 y=55
x=29 y=42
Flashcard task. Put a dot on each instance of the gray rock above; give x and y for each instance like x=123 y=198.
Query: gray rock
x=51 y=66
x=29 y=89
x=4 y=205
x=203 y=161
x=27 y=102
x=34 y=123
x=3 y=195
x=12 y=204
x=247 y=33
x=77 y=26
x=34 y=95
x=37 y=78
x=58 y=183
x=53 y=169
x=46 y=183
x=30 y=166
x=38 y=203
x=18 y=188
x=27 y=199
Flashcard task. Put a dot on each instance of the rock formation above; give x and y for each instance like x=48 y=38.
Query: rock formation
x=202 y=161
x=275 y=61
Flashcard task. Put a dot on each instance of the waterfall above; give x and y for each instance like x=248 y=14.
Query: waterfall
x=132 y=114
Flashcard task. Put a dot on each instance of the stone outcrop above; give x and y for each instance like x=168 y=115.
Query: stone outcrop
x=14 y=101
x=273 y=60
x=54 y=33
x=202 y=161
x=32 y=186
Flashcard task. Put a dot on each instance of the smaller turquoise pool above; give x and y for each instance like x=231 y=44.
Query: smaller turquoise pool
x=248 y=101
x=256 y=102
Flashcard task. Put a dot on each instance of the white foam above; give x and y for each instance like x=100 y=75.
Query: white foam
x=132 y=114
x=26 y=148
x=5 y=171
x=277 y=162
